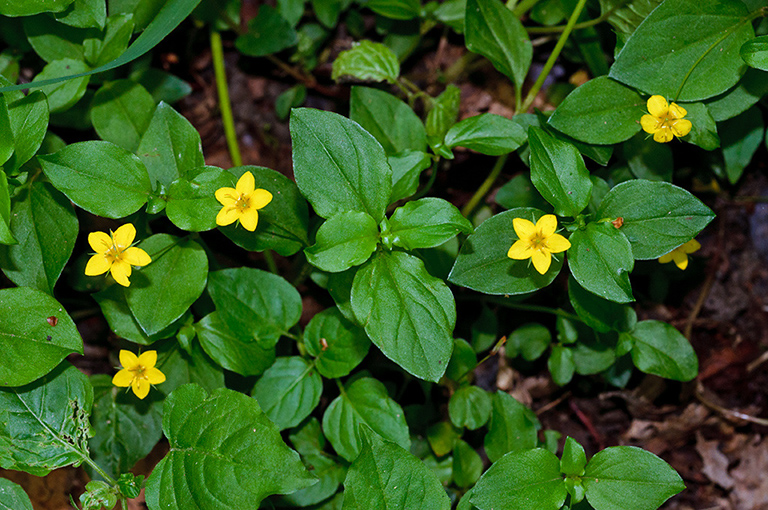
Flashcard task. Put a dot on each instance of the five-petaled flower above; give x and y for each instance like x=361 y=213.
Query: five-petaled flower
x=242 y=203
x=537 y=242
x=138 y=372
x=665 y=120
x=115 y=254
x=680 y=254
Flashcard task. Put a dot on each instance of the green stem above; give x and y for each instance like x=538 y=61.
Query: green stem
x=577 y=26
x=270 y=259
x=485 y=186
x=553 y=56
x=225 y=107
x=100 y=471
x=423 y=191
x=491 y=353
x=758 y=13
x=531 y=308
x=523 y=7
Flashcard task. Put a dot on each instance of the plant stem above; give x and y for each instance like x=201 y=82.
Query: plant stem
x=485 y=186
x=423 y=191
x=523 y=7
x=270 y=259
x=553 y=56
x=225 y=107
x=577 y=26
x=531 y=308
x=100 y=471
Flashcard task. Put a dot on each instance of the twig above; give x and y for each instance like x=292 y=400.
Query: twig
x=728 y=412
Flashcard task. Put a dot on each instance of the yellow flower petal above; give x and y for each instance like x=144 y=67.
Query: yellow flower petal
x=140 y=387
x=246 y=184
x=547 y=225
x=128 y=359
x=100 y=241
x=523 y=228
x=649 y=123
x=665 y=259
x=227 y=216
x=123 y=378
x=680 y=258
x=259 y=198
x=154 y=376
x=681 y=127
x=662 y=136
x=124 y=236
x=249 y=219
x=691 y=246
x=557 y=243
x=148 y=359
x=541 y=260
x=136 y=257
x=676 y=111
x=120 y=271
x=657 y=106
x=227 y=196
x=521 y=250
x=98 y=264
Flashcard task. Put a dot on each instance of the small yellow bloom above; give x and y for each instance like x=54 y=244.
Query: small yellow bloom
x=537 y=242
x=680 y=254
x=115 y=254
x=665 y=120
x=242 y=203
x=138 y=373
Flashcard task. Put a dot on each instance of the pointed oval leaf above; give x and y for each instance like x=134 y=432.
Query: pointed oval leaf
x=600 y=259
x=28 y=117
x=346 y=239
x=337 y=344
x=470 y=407
x=13 y=497
x=755 y=52
x=191 y=201
x=229 y=351
x=660 y=349
x=425 y=223
x=288 y=391
x=391 y=121
x=36 y=333
x=121 y=112
x=513 y=427
x=367 y=60
x=212 y=465
x=487 y=133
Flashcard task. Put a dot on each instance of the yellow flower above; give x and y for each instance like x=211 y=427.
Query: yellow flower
x=665 y=120
x=115 y=254
x=680 y=254
x=537 y=242
x=242 y=203
x=138 y=373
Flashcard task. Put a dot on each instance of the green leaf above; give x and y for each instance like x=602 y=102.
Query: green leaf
x=755 y=52
x=30 y=7
x=530 y=340
x=520 y=192
x=365 y=401
x=255 y=304
x=600 y=259
x=741 y=137
x=163 y=86
x=181 y=367
x=100 y=177
x=442 y=116
x=161 y=292
x=560 y=364
x=602 y=111
x=493 y=31
x=62 y=95
x=85 y=14
x=659 y=349
x=338 y=166
x=425 y=223
x=637 y=478
x=686 y=49
x=625 y=17
x=168 y=17
x=658 y=216
x=442 y=436
x=386 y=477
x=467 y=464
x=559 y=173
x=53 y=40
x=229 y=351
x=451 y=12
x=330 y=474
x=44 y=223
x=33 y=326
x=6 y=237
x=121 y=112
x=463 y=358
x=527 y=480
x=327 y=11
x=44 y=425
x=282 y=223
x=406 y=312
x=513 y=427
x=704 y=131
x=648 y=159
x=392 y=122
x=395 y=9
x=369 y=61
x=406 y=169
x=600 y=314
x=124 y=428
x=483 y=265
x=13 y=497
x=752 y=86
x=219 y=466
x=6 y=143
x=345 y=240
x=170 y=147
x=291 y=98
x=191 y=201
x=288 y=391
x=574 y=458
x=267 y=33
x=28 y=117
x=116 y=37
x=487 y=133
x=337 y=344
x=470 y=407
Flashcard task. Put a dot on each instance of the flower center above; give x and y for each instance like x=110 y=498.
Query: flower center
x=242 y=202
x=138 y=372
x=538 y=241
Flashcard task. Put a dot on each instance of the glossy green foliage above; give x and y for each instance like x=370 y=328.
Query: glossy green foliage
x=13 y=497
x=392 y=122
x=267 y=33
x=347 y=239
x=337 y=344
x=288 y=391
x=368 y=61
x=600 y=259
x=659 y=349
x=486 y=133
